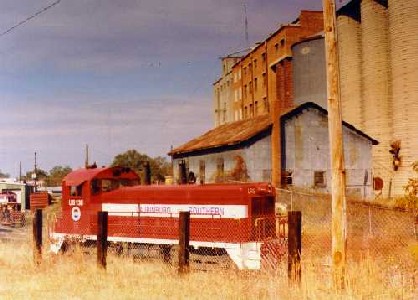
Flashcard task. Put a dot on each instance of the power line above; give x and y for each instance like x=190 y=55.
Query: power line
x=30 y=17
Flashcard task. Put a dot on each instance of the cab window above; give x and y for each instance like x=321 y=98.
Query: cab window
x=76 y=190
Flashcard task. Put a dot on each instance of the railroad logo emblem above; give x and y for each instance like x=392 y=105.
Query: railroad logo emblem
x=76 y=213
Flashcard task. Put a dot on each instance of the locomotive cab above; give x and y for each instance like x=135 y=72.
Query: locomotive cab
x=82 y=190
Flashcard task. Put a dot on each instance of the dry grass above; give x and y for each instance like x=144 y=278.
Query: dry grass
x=383 y=264
x=76 y=276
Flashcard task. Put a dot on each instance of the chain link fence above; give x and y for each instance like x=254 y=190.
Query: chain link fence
x=380 y=234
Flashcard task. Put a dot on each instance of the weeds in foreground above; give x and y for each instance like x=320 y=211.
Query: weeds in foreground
x=76 y=276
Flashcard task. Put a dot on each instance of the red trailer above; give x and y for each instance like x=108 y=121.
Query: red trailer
x=235 y=218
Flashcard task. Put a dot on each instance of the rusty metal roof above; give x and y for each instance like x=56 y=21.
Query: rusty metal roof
x=226 y=135
x=241 y=131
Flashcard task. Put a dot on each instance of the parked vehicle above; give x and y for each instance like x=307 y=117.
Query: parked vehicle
x=236 y=219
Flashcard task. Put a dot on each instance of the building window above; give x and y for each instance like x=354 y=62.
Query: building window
x=276 y=47
x=266 y=105
x=245 y=91
x=202 y=171
x=263 y=57
x=255 y=63
x=245 y=112
x=282 y=42
x=319 y=179
x=245 y=71
x=220 y=168
x=255 y=108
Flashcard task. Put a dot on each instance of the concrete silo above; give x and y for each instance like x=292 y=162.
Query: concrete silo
x=376 y=91
x=349 y=39
x=403 y=35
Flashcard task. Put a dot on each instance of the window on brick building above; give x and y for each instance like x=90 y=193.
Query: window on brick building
x=263 y=57
x=256 y=108
x=245 y=91
x=255 y=63
x=319 y=179
x=266 y=104
x=264 y=80
x=276 y=47
x=245 y=112
x=282 y=42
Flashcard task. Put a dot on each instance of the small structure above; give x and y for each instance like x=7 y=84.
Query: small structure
x=21 y=190
x=305 y=156
x=241 y=151
x=238 y=151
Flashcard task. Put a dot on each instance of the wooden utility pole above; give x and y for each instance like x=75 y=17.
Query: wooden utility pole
x=339 y=220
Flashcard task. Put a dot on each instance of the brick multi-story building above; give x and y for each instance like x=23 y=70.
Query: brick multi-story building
x=260 y=82
x=223 y=97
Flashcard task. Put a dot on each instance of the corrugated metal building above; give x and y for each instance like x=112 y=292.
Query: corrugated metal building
x=306 y=153
x=241 y=151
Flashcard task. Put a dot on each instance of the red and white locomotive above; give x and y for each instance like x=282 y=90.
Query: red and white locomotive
x=237 y=218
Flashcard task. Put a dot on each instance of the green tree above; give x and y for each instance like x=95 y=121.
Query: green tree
x=40 y=174
x=135 y=160
x=56 y=174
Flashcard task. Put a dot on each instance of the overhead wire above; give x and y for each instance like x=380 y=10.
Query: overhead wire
x=30 y=17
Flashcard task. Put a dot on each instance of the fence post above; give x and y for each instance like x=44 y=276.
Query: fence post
x=37 y=236
x=184 y=237
x=147 y=173
x=294 y=246
x=102 y=218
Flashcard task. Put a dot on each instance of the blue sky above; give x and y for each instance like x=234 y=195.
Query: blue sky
x=117 y=75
